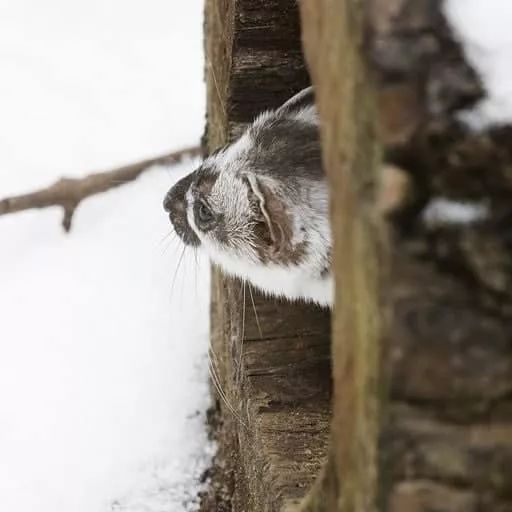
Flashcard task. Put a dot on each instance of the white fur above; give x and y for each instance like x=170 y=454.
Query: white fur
x=296 y=282
x=292 y=283
x=307 y=114
x=308 y=208
x=226 y=158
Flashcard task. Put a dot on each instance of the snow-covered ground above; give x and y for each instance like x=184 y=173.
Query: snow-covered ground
x=103 y=369
x=485 y=29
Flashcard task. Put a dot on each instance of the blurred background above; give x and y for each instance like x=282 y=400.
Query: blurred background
x=103 y=339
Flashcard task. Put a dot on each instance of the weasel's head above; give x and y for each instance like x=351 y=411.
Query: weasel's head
x=245 y=200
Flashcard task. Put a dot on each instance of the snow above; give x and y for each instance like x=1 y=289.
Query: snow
x=103 y=351
x=90 y=84
x=484 y=28
x=444 y=211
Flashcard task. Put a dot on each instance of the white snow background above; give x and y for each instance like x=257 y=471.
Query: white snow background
x=485 y=29
x=103 y=368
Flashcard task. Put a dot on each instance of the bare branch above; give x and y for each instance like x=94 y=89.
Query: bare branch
x=69 y=192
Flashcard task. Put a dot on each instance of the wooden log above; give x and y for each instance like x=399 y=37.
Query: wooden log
x=333 y=37
x=272 y=359
x=448 y=437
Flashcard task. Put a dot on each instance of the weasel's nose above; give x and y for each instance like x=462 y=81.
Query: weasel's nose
x=168 y=201
x=174 y=201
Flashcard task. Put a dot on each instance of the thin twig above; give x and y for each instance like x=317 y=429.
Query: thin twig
x=69 y=192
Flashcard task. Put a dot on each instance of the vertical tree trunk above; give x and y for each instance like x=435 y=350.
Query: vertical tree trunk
x=447 y=438
x=333 y=37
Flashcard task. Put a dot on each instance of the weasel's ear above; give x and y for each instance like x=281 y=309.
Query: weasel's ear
x=272 y=213
x=302 y=100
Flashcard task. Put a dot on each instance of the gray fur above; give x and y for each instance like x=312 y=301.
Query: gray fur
x=265 y=199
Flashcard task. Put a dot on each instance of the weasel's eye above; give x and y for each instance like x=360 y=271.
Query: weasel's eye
x=204 y=214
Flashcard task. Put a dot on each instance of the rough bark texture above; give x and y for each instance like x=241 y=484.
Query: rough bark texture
x=275 y=376
x=333 y=33
x=448 y=442
x=445 y=440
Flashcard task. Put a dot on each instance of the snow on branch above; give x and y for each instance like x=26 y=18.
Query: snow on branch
x=69 y=192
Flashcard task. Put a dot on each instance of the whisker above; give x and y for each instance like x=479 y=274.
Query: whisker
x=240 y=355
x=212 y=364
x=216 y=85
x=196 y=265
x=167 y=236
x=176 y=271
x=169 y=240
x=184 y=274
x=255 y=312
x=171 y=243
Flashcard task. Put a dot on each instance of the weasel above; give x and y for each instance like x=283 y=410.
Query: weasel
x=259 y=207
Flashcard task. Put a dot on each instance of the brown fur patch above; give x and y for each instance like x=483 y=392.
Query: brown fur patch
x=280 y=251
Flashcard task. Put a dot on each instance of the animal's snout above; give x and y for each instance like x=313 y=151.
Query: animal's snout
x=174 y=201
x=175 y=204
x=168 y=201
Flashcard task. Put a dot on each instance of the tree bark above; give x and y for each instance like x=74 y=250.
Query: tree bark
x=446 y=439
x=333 y=33
x=271 y=360
x=421 y=398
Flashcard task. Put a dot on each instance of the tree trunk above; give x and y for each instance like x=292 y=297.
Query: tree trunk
x=445 y=441
x=422 y=416
x=333 y=33
x=272 y=360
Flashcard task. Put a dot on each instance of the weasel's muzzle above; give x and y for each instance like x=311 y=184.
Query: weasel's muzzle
x=175 y=203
